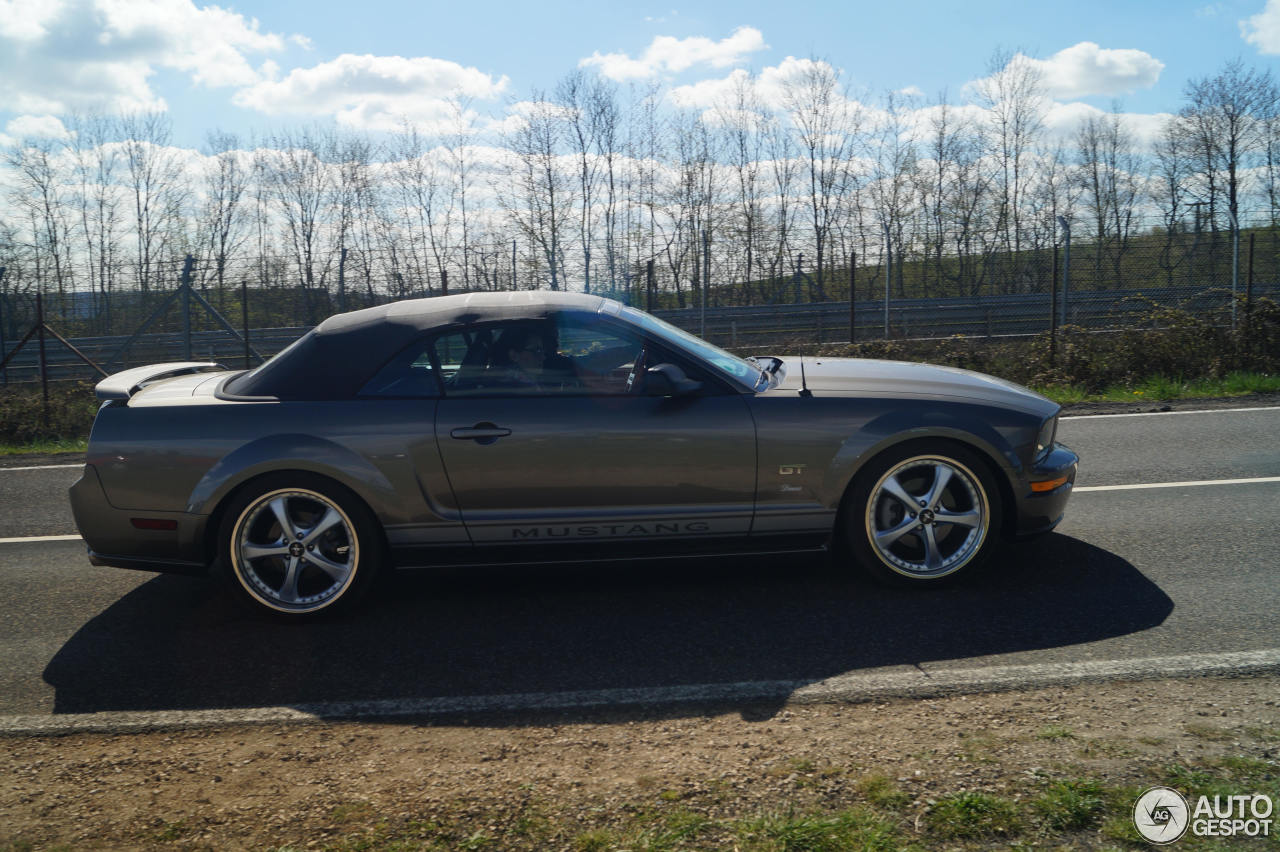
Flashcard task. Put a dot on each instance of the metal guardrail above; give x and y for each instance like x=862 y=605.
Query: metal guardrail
x=148 y=349
x=979 y=316
x=735 y=327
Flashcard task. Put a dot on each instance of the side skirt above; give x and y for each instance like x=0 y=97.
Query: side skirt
x=556 y=553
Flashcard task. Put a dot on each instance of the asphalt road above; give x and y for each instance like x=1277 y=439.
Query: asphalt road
x=1131 y=574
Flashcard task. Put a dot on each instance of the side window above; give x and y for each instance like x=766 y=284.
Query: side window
x=599 y=355
x=567 y=354
x=409 y=374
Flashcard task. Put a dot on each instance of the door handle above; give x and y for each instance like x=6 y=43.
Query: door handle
x=481 y=433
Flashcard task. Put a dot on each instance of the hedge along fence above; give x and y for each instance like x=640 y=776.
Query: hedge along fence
x=1172 y=343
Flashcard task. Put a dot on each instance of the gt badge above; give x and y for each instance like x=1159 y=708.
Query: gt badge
x=788 y=469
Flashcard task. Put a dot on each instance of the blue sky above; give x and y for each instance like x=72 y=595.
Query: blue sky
x=257 y=66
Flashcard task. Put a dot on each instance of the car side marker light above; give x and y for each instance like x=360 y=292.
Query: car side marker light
x=154 y=523
x=1049 y=484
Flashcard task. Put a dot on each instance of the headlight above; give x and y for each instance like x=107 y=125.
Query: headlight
x=1044 y=439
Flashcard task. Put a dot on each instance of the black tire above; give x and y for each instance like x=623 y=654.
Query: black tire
x=325 y=565
x=902 y=533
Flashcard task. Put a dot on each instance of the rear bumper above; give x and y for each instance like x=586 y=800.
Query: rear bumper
x=114 y=541
x=1041 y=511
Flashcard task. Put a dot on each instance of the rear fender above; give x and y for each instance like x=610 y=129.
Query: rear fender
x=292 y=452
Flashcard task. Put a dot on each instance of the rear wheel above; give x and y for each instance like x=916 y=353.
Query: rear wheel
x=923 y=512
x=299 y=545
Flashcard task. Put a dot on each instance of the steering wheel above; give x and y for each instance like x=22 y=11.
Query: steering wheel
x=638 y=367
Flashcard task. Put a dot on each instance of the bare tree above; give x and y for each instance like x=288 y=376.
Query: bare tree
x=1110 y=176
x=1013 y=94
x=421 y=204
x=156 y=185
x=39 y=194
x=744 y=122
x=220 y=228
x=893 y=173
x=96 y=158
x=825 y=122
x=300 y=183
x=539 y=195
x=1226 y=119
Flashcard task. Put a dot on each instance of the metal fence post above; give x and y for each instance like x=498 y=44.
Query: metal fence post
x=1235 y=264
x=1053 y=310
x=244 y=317
x=186 y=307
x=1248 y=287
x=648 y=286
x=444 y=282
x=1066 y=264
x=853 y=297
x=44 y=364
x=706 y=285
x=4 y=371
x=342 y=280
x=888 y=274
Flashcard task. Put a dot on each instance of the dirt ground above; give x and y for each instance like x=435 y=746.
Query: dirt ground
x=566 y=782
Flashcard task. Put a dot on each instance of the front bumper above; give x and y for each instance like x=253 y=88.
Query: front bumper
x=1041 y=511
x=114 y=541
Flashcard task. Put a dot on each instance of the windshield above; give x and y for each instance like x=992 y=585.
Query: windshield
x=744 y=371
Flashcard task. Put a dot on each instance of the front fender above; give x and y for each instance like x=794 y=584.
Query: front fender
x=290 y=452
x=892 y=428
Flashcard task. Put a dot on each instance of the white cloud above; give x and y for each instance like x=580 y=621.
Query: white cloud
x=1263 y=29
x=1063 y=119
x=708 y=93
x=673 y=55
x=374 y=92
x=1086 y=69
x=59 y=55
x=36 y=126
x=769 y=85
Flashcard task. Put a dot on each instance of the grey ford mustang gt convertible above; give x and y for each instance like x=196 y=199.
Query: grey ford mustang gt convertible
x=534 y=427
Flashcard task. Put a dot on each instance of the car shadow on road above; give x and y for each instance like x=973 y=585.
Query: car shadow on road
x=176 y=643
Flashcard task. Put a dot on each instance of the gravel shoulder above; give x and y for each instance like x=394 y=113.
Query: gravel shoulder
x=717 y=778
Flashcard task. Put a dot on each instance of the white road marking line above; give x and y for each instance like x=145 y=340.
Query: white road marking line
x=25 y=539
x=897 y=682
x=1192 y=483
x=42 y=467
x=1167 y=413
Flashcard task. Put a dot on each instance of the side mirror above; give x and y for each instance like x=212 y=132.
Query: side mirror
x=668 y=380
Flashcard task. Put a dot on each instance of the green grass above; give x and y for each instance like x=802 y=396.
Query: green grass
x=57 y=445
x=1055 y=732
x=1058 y=810
x=850 y=829
x=1070 y=805
x=971 y=815
x=1164 y=389
x=882 y=792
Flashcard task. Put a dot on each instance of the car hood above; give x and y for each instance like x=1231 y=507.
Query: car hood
x=867 y=377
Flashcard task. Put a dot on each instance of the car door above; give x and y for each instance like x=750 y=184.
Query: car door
x=583 y=457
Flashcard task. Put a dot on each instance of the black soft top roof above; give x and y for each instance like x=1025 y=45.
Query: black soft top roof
x=333 y=360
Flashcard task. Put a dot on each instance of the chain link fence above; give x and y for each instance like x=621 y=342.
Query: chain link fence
x=239 y=311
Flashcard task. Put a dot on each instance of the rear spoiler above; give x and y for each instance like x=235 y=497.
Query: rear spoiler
x=125 y=384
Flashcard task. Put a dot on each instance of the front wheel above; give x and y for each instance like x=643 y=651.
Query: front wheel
x=299 y=545
x=922 y=513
